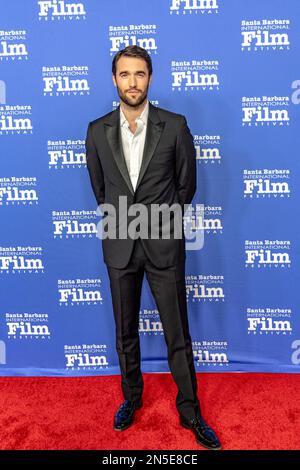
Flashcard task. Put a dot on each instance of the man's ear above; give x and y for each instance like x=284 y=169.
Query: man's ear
x=114 y=80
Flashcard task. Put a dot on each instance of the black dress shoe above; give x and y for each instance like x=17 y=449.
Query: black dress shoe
x=204 y=434
x=125 y=414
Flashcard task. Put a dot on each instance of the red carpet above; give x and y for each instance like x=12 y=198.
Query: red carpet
x=248 y=411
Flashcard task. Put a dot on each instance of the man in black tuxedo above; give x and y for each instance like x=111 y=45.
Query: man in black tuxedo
x=146 y=155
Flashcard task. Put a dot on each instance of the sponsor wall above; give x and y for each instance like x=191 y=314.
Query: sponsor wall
x=232 y=68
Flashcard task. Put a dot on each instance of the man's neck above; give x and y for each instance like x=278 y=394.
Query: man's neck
x=132 y=113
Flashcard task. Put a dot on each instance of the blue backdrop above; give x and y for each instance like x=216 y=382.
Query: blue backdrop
x=232 y=68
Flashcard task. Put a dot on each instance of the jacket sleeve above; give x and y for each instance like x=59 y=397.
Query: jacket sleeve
x=94 y=167
x=186 y=171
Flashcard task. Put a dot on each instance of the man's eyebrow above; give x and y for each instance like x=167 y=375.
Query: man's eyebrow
x=126 y=71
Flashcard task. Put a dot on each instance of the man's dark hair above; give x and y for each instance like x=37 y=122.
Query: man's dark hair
x=132 y=51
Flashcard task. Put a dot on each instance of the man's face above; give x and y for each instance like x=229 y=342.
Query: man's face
x=132 y=80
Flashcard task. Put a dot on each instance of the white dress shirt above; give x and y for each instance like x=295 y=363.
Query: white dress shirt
x=133 y=144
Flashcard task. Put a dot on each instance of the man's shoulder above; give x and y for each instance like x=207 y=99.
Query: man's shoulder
x=102 y=118
x=164 y=114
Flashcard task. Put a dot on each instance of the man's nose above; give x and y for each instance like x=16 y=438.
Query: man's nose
x=132 y=80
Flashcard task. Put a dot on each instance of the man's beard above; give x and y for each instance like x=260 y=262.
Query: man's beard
x=133 y=102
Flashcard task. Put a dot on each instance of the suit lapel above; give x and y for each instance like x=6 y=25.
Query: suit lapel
x=113 y=134
x=153 y=133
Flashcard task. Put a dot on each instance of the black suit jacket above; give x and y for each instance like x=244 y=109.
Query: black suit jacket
x=167 y=176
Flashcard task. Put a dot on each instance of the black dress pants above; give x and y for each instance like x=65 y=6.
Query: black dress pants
x=169 y=291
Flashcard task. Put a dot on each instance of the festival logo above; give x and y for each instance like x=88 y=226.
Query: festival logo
x=210 y=353
x=79 y=292
x=265 y=111
x=18 y=191
x=208 y=149
x=21 y=260
x=74 y=224
x=205 y=220
x=15 y=119
x=27 y=326
x=86 y=357
x=66 y=80
x=205 y=288
x=142 y=35
x=64 y=154
x=265 y=35
x=196 y=7
x=269 y=321
x=268 y=254
x=150 y=323
x=195 y=75
x=60 y=10
x=13 y=45
x=266 y=183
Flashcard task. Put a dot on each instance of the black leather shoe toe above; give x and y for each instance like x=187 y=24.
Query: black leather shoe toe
x=204 y=434
x=125 y=415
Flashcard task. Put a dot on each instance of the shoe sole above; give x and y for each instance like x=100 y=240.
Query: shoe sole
x=125 y=427
x=201 y=443
x=130 y=424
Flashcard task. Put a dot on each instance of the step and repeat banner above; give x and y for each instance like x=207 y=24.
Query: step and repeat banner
x=231 y=67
